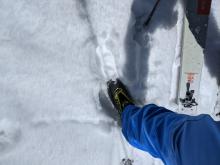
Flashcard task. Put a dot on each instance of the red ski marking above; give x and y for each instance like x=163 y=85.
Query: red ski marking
x=190 y=77
x=204 y=7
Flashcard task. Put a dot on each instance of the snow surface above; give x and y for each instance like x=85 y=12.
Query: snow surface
x=55 y=58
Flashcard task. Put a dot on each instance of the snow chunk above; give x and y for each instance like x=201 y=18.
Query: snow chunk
x=10 y=135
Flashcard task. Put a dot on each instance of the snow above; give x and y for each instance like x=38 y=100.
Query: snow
x=55 y=58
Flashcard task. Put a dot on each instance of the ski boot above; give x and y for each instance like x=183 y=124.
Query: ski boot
x=119 y=95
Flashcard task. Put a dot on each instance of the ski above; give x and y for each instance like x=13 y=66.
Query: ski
x=194 y=38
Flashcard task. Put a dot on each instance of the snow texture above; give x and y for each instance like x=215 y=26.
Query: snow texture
x=55 y=59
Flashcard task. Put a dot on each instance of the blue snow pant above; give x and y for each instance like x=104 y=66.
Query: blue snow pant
x=176 y=139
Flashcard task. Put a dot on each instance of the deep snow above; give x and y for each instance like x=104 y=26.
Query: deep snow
x=55 y=58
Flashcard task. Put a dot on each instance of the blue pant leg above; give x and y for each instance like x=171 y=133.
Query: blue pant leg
x=199 y=142
x=174 y=138
x=150 y=129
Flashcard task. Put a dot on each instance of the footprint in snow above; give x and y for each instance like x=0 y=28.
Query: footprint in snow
x=106 y=54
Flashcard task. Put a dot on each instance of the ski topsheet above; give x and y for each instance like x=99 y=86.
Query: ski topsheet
x=194 y=39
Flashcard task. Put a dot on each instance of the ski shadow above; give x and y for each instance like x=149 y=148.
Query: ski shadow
x=212 y=51
x=138 y=39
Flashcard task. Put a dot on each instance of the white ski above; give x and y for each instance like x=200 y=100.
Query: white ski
x=194 y=38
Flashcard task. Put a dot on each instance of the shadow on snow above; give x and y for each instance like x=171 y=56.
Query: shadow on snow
x=212 y=51
x=137 y=41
